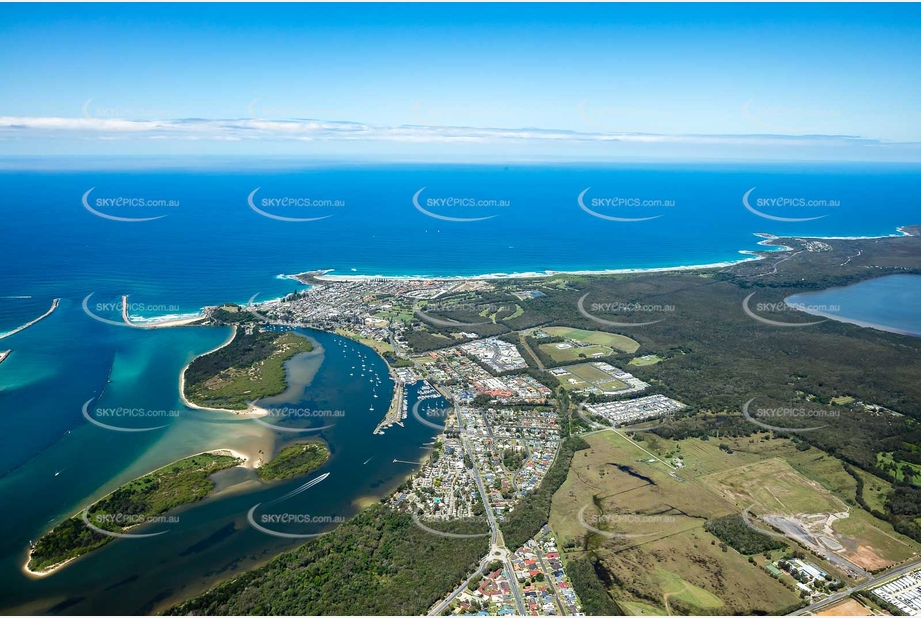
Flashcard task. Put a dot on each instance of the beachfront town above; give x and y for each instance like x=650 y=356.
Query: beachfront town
x=499 y=427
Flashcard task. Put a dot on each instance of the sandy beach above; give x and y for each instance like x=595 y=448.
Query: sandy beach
x=188 y=403
x=44 y=572
x=250 y=461
x=767 y=239
x=166 y=323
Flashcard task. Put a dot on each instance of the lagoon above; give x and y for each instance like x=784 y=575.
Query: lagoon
x=888 y=303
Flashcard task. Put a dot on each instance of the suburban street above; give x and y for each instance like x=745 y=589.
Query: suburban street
x=497 y=551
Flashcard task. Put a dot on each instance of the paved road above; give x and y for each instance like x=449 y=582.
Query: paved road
x=513 y=584
x=484 y=496
x=490 y=516
x=435 y=611
x=870 y=583
x=556 y=596
x=524 y=344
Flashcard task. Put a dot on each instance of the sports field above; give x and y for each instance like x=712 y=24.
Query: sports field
x=578 y=377
x=568 y=352
x=618 y=342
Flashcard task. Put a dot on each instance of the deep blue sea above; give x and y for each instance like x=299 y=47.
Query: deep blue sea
x=207 y=245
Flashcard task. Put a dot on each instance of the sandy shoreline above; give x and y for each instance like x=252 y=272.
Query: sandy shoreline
x=188 y=403
x=154 y=323
x=522 y=275
x=249 y=462
x=324 y=274
x=252 y=411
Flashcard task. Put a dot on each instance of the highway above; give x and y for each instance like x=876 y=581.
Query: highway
x=870 y=583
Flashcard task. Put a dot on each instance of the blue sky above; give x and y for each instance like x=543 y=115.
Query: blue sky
x=636 y=81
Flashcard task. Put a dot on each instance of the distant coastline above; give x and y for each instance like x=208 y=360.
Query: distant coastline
x=767 y=239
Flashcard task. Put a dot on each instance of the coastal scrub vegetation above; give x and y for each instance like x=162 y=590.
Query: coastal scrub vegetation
x=596 y=601
x=733 y=531
x=377 y=563
x=295 y=460
x=719 y=357
x=250 y=367
x=132 y=504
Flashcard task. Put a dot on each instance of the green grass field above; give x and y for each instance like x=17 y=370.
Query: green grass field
x=618 y=342
x=803 y=480
x=574 y=353
x=676 y=587
x=876 y=541
x=382 y=347
x=585 y=375
x=679 y=566
x=885 y=460
x=875 y=490
x=773 y=486
x=640 y=609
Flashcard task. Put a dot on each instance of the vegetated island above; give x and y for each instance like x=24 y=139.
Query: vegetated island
x=249 y=367
x=132 y=504
x=708 y=360
x=295 y=460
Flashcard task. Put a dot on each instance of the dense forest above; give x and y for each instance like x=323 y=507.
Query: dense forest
x=377 y=563
x=717 y=357
x=596 y=601
x=733 y=531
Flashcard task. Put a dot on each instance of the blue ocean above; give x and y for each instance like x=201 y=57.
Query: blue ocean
x=178 y=238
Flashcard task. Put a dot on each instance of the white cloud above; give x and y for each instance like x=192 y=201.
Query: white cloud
x=37 y=127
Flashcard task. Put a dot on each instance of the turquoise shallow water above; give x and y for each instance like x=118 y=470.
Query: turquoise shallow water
x=214 y=248
x=213 y=538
